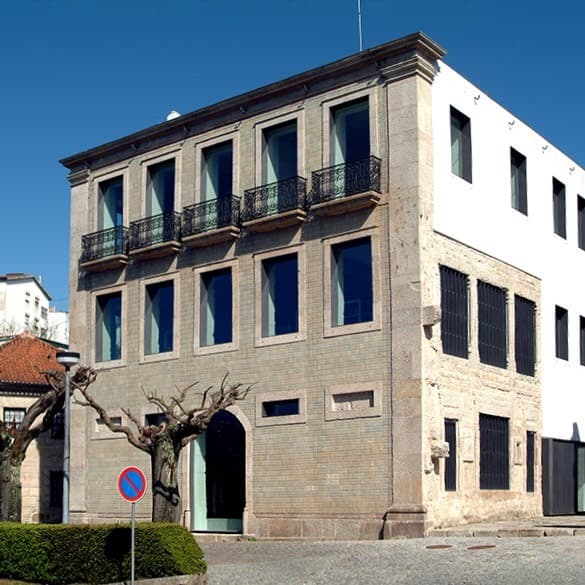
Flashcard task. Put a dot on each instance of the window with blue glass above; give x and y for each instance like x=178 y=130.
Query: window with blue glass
x=216 y=317
x=108 y=327
x=280 y=295
x=351 y=282
x=217 y=175
x=158 y=322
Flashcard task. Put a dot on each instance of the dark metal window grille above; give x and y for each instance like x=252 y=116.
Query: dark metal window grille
x=581 y=221
x=165 y=227
x=562 y=333
x=451 y=461
x=494 y=464
x=460 y=145
x=582 y=340
x=211 y=215
x=104 y=243
x=454 y=312
x=559 y=211
x=493 y=334
x=518 y=181
x=524 y=335
x=530 y=436
x=274 y=198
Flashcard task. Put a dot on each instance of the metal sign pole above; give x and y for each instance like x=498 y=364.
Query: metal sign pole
x=132 y=548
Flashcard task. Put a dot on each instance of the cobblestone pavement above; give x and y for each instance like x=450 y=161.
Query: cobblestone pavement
x=429 y=561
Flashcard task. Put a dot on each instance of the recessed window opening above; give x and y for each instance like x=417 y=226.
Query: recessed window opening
x=101 y=424
x=559 y=209
x=110 y=203
x=518 y=181
x=159 y=310
x=562 y=333
x=493 y=331
x=581 y=221
x=108 y=343
x=280 y=295
x=351 y=282
x=216 y=307
x=280 y=407
x=582 y=340
x=280 y=153
x=155 y=419
x=451 y=461
x=454 y=312
x=160 y=188
x=524 y=335
x=460 y=145
x=494 y=465
x=530 y=460
x=352 y=401
x=350 y=132
x=217 y=171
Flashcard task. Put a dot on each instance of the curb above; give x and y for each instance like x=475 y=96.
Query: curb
x=507 y=532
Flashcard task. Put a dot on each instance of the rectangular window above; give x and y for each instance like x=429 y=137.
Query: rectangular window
x=280 y=295
x=44 y=313
x=530 y=436
x=582 y=340
x=581 y=221
x=454 y=312
x=280 y=152
x=351 y=282
x=460 y=145
x=451 y=461
x=280 y=407
x=155 y=419
x=559 y=212
x=108 y=327
x=518 y=181
x=562 y=333
x=160 y=188
x=216 y=318
x=110 y=204
x=494 y=466
x=13 y=415
x=350 y=132
x=158 y=318
x=217 y=171
x=524 y=335
x=55 y=489
x=492 y=320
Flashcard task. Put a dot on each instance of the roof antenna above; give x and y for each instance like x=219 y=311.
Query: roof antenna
x=359 y=8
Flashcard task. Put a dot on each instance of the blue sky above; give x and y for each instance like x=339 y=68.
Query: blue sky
x=76 y=74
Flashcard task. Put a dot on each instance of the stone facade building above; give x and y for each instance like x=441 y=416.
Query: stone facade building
x=289 y=236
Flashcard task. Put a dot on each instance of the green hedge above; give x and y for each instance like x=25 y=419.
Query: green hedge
x=60 y=554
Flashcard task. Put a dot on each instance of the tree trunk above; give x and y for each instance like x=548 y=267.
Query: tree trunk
x=166 y=500
x=10 y=488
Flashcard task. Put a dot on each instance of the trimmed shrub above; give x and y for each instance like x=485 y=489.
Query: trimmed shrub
x=60 y=554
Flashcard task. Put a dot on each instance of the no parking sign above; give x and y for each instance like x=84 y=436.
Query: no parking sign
x=132 y=484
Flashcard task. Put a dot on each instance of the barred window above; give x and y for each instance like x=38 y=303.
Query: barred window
x=494 y=466
x=524 y=335
x=530 y=436
x=454 y=312
x=493 y=333
x=451 y=461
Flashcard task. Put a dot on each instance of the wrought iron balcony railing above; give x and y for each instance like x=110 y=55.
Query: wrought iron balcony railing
x=157 y=229
x=104 y=243
x=211 y=215
x=345 y=180
x=274 y=198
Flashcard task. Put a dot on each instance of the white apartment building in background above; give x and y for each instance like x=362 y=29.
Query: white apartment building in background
x=25 y=306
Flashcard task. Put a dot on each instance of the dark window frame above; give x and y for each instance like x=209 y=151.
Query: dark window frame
x=559 y=208
x=166 y=342
x=530 y=460
x=524 y=335
x=461 y=130
x=450 y=477
x=101 y=306
x=454 y=311
x=492 y=318
x=283 y=407
x=561 y=333
x=220 y=333
x=581 y=222
x=582 y=340
x=494 y=452
x=518 y=184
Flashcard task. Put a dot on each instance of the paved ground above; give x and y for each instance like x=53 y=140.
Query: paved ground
x=458 y=561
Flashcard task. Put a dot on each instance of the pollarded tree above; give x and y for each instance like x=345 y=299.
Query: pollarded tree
x=164 y=442
x=16 y=438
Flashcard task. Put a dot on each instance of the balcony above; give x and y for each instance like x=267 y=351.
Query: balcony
x=156 y=236
x=346 y=187
x=211 y=222
x=275 y=206
x=104 y=250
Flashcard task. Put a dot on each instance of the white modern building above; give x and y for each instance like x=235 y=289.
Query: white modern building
x=58 y=330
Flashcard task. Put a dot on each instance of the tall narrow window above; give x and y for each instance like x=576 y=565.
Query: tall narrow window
x=559 y=210
x=108 y=342
x=518 y=181
x=492 y=318
x=158 y=319
x=216 y=307
x=350 y=132
x=494 y=465
x=217 y=171
x=530 y=436
x=582 y=340
x=280 y=152
x=351 y=282
x=451 y=461
x=460 y=145
x=454 y=312
x=524 y=335
x=280 y=295
x=581 y=222
x=562 y=333
x=160 y=188
x=110 y=203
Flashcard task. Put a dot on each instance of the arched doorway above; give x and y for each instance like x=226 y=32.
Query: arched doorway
x=218 y=476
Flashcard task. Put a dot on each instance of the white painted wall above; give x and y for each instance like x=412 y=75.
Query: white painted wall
x=58 y=326
x=480 y=215
x=17 y=304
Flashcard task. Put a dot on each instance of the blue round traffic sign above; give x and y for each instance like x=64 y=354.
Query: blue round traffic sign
x=132 y=484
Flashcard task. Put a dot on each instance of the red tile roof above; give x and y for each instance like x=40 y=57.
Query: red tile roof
x=24 y=359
